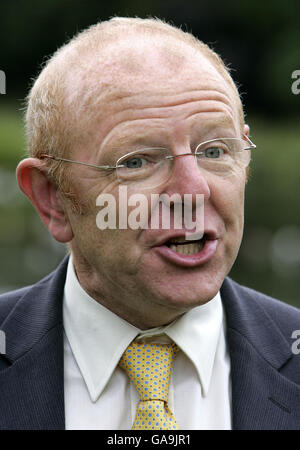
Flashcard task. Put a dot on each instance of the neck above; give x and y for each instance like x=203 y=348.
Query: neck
x=142 y=311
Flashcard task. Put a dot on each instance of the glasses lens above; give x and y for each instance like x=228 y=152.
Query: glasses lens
x=152 y=167
x=147 y=167
x=223 y=156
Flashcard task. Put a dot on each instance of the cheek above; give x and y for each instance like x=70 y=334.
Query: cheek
x=228 y=199
x=109 y=249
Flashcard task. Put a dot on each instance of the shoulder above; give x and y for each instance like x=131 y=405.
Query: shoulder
x=34 y=296
x=8 y=301
x=272 y=305
x=287 y=317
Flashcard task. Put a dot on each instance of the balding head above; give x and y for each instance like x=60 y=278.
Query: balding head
x=105 y=62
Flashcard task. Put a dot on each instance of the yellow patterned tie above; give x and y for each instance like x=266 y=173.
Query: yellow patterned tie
x=149 y=367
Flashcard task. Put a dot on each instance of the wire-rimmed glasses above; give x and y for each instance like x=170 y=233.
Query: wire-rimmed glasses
x=152 y=167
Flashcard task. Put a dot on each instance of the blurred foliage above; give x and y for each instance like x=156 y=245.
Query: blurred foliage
x=260 y=39
x=12 y=142
x=260 y=42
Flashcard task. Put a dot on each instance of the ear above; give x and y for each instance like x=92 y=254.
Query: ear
x=44 y=196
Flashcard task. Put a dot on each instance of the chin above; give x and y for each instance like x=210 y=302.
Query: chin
x=187 y=295
x=185 y=287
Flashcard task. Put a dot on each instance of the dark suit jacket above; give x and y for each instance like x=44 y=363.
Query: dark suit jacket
x=265 y=372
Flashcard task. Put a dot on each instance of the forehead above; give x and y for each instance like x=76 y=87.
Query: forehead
x=133 y=63
x=132 y=75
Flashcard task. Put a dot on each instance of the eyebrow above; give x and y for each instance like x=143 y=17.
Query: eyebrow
x=141 y=139
x=136 y=139
x=224 y=117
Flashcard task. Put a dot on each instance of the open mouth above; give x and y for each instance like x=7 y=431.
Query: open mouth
x=184 y=246
x=188 y=253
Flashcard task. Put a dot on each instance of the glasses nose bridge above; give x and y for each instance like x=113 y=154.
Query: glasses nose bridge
x=182 y=154
x=187 y=178
x=173 y=158
x=186 y=170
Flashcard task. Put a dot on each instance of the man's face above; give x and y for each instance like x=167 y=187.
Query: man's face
x=159 y=104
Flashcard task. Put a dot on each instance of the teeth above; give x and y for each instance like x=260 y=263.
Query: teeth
x=178 y=239
x=187 y=249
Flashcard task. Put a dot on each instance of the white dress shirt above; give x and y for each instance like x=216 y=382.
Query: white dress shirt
x=99 y=394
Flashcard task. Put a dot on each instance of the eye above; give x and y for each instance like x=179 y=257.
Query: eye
x=135 y=162
x=147 y=159
x=214 y=152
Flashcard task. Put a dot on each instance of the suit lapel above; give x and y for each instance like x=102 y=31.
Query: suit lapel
x=262 y=397
x=31 y=384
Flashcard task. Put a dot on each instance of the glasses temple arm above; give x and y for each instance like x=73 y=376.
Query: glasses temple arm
x=55 y=158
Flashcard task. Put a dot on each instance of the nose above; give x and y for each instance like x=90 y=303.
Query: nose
x=187 y=178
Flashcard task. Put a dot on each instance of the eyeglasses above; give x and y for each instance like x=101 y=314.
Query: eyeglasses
x=152 y=167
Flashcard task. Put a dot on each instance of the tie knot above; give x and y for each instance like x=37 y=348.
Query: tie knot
x=149 y=367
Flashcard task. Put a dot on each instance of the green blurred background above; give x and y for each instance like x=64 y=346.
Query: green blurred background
x=260 y=42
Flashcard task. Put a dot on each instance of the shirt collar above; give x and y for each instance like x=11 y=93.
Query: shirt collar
x=88 y=326
x=197 y=334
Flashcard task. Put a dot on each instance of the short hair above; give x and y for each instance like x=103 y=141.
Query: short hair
x=50 y=121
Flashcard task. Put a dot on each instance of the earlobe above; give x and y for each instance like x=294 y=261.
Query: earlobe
x=42 y=193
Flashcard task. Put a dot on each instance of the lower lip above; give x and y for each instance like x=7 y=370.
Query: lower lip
x=195 y=259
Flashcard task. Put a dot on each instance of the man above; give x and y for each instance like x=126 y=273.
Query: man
x=138 y=107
